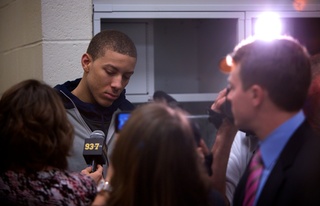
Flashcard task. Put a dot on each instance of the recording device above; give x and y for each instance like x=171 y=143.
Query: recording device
x=216 y=118
x=121 y=118
x=95 y=149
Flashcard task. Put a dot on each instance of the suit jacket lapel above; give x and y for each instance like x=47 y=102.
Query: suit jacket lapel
x=284 y=163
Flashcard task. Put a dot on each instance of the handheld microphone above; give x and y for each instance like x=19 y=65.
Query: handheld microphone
x=95 y=149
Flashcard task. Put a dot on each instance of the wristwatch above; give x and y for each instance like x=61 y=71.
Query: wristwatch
x=104 y=186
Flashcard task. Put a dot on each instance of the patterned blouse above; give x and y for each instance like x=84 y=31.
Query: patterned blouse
x=51 y=187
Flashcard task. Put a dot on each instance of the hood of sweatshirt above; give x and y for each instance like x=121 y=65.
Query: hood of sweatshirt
x=92 y=111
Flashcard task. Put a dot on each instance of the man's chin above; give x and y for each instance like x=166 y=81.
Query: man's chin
x=106 y=103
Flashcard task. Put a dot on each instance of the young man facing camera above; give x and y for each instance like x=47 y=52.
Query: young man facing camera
x=268 y=87
x=93 y=100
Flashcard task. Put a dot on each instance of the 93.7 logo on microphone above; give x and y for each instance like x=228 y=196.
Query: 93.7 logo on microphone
x=95 y=149
x=91 y=146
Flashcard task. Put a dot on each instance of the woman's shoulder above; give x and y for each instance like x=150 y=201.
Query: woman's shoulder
x=64 y=177
x=49 y=185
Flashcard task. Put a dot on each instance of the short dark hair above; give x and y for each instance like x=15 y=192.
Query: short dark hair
x=111 y=40
x=35 y=131
x=281 y=66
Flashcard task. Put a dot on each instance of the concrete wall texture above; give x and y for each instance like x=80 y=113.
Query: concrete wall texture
x=43 y=39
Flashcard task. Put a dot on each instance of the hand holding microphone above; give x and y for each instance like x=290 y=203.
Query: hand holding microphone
x=95 y=149
x=96 y=176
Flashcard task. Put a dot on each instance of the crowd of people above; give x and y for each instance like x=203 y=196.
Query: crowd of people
x=158 y=157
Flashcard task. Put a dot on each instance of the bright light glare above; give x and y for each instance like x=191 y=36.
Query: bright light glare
x=268 y=26
x=229 y=60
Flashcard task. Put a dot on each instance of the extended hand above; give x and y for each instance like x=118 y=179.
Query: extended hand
x=96 y=176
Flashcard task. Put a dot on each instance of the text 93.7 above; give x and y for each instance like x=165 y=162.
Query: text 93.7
x=91 y=146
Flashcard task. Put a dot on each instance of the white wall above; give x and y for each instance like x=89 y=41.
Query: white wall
x=66 y=32
x=43 y=39
x=20 y=41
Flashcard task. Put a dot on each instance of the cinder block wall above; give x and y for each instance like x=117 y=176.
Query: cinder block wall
x=43 y=39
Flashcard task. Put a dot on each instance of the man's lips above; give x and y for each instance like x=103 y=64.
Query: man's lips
x=111 y=96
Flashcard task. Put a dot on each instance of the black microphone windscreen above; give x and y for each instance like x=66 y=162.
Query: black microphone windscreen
x=97 y=134
x=95 y=149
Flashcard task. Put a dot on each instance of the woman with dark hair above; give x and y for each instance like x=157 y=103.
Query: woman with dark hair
x=155 y=162
x=36 y=138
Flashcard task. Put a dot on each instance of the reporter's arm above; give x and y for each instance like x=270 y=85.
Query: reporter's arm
x=104 y=192
x=101 y=199
x=221 y=152
x=222 y=147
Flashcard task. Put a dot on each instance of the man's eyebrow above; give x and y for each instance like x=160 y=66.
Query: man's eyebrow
x=115 y=68
x=129 y=72
x=110 y=66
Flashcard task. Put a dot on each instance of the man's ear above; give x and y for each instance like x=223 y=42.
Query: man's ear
x=86 y=60
x=257 y=94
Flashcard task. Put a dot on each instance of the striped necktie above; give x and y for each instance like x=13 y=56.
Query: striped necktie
x=255 y=171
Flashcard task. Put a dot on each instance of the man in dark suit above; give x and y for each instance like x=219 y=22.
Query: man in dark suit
x=268 y=86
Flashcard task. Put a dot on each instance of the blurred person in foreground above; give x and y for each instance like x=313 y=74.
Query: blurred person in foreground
x=36 y=138
x=268 y=85
x=155 y=162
